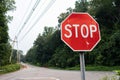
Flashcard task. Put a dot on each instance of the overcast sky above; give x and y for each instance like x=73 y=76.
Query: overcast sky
x=49 y=18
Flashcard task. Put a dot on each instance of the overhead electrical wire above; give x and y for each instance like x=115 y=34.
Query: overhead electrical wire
x=29 y=38
x=29 y=16
x=24 y=15
x=22 y=19
x=40 y=7
x=45 y=10
x=36 y=16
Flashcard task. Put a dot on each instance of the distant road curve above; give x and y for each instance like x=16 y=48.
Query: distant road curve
x=39 y=73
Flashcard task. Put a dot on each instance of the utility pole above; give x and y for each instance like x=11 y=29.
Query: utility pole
x=18 y=54
x=13 y=43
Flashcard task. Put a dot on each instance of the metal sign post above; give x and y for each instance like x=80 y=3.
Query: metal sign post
x=82 y=66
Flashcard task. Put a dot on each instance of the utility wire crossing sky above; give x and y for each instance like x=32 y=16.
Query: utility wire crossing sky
x=30 y=18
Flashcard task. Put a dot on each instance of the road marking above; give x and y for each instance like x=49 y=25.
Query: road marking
x=54 y=78
x=39 y=78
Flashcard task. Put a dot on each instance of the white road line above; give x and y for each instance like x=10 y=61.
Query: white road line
x=38 y=78
x=54 y=78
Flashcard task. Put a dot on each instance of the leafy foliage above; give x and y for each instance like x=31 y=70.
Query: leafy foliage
x=5 y=48
x=9 y=68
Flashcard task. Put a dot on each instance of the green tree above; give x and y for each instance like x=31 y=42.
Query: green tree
x=64 y=57
x=110 y=53
x=42 y=50
x=81 y=6
x=5 y=48
x=107 y=13
x=31 y=56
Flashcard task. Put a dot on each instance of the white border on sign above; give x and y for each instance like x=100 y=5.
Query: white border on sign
x=67 y=43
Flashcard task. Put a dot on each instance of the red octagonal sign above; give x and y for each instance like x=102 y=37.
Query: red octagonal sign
x=80 y=32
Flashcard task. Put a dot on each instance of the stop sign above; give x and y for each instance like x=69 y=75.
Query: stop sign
x=80 y=32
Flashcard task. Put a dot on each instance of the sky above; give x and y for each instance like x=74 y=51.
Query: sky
x=47 y=18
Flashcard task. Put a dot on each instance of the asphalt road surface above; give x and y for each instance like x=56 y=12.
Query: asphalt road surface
x=38 y=73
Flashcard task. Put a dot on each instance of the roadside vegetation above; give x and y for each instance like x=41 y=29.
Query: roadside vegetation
x=115 y=77
x=117 y=72
x=96 y=68
x=6 y=65
x=5 y=47
x=109 y=78
x=9 y=68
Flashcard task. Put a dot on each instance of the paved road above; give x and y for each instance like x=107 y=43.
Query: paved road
x=39 y=73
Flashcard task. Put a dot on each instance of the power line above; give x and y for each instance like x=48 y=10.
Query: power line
x=29 y=38
x=45 y=10
x=26 y=20
x=24 y=15
x=35 y=15
x=29 y=16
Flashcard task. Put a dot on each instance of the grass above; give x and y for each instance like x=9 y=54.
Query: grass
x=109 y=78
x=96 y=68
x=9 y=68
x=102 y=68
x=117 y=72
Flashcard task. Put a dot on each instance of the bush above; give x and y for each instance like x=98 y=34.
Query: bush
x=117 y=72
x=9 y=68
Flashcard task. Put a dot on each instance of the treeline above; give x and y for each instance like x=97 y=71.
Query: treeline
x=5 y=47
x=49 y=50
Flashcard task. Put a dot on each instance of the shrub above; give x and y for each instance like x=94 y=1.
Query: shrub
x=117 y=72
x=9 y=68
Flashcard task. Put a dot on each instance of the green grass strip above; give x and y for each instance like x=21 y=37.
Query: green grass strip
x=96 y=68
x=9 y=68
